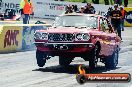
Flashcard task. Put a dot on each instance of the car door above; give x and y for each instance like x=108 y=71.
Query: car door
x=107 y=38
x=111 y=37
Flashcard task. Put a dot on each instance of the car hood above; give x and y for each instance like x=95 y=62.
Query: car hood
x=68 y=30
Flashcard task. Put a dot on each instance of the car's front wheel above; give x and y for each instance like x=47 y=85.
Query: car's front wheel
x=112 y=61
x=64 y=61
x=41 y=58
x=94 y=57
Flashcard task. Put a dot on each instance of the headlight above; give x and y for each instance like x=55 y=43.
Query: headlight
x=86 y=37
x=37 y=35
x=79 y=36
x=82 y=37
x=44 y=36
x=41 y=36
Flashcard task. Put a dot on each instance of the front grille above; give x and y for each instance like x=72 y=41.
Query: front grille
x=54 y=37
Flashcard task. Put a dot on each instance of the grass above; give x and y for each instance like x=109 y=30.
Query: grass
x=100 y=1
x=130 y=3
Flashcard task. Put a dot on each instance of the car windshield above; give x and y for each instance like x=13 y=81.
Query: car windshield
x=76 y=21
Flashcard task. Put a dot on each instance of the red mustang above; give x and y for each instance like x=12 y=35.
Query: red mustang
x=88 y=36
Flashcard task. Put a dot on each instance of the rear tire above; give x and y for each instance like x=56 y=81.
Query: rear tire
x=112 y=61
x=41 y=58
x=64 y=61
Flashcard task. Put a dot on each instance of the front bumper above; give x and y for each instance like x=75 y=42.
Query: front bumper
x=65 y=47
x=58 y=49
x=46 y=43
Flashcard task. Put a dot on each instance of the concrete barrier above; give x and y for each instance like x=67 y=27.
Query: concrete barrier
x=128 y=17
x=16 y=38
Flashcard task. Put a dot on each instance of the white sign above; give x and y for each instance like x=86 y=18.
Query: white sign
x=13 y=4
x=51 y=9
x=48 y=8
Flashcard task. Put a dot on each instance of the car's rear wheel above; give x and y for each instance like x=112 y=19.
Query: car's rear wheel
x=41 y=58
x=112 y=61
x=64 y=61
x=94 y=57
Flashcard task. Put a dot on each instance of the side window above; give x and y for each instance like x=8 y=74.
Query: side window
x=104 y=25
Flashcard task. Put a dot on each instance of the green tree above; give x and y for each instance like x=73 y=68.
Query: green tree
x=106 y=2
x=111 y=2
x=95 y=1
x=84 y=1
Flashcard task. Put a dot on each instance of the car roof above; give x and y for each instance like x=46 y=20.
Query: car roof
x=81 y=14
